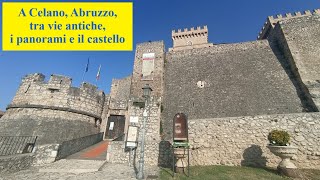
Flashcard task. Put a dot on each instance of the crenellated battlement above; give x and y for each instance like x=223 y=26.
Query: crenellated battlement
x=36 y=77
x=58 y=92
x=198 y=31
x=190 y=38
x=57 y=82
x=273 y=20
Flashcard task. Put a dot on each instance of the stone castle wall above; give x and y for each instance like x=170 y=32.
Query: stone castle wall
x=302 y=38
x=152 y=135
x=51 y=126
x=243 y=140
x=281 y=49
x=227 y=81
x=272 y=21
x=117 y=153
x=119 y=93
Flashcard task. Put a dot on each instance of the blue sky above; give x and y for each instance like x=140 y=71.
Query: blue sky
x=228 y=21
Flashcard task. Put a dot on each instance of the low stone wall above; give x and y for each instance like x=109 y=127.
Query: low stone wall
x=45 y=154
x=14 y=163
x=243 y=140
x=72 y=146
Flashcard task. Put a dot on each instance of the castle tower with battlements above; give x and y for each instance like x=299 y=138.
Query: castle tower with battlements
x=190 y=38
x=54 y=110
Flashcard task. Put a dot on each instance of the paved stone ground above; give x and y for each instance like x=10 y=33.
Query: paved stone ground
x=88 y=164
x=73 y=166
x=106 y=172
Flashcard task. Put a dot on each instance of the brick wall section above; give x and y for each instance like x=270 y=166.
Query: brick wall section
x=243 y=140
x=238 y=80
x=156 y=84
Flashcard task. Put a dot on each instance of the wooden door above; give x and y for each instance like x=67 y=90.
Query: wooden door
x=115 y=127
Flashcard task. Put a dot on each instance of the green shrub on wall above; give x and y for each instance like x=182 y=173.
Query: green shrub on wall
x=279 y=138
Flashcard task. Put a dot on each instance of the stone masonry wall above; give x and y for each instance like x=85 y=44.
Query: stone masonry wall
x=243 y=140
x=117 y=153
x=51 y=126
x=14 y=163
x=152 y=135
x=119 y=93
x=281 y=49
x=104 y=114
x=302 y=37
x=226 y=80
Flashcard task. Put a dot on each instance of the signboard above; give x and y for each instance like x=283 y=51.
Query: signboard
x=111 y=126
x=134 y=119
x=147 y=66
x=132 y=136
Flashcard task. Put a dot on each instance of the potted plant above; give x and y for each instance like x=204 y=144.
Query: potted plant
x=280 y=146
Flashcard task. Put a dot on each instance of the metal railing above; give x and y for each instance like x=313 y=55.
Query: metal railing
x=10 y=145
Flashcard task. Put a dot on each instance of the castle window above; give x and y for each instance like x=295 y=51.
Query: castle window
x=53 y=90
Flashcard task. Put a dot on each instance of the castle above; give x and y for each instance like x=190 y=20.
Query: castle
x=233 y=95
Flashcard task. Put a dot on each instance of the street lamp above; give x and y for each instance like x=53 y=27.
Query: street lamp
x=146 y=94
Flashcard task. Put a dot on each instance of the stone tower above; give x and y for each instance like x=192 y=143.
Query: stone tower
x=148 y=68
x=54 y=111
x=190 y=39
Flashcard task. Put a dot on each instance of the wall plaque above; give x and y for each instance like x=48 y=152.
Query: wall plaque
x=134 y=119
x=147 y=66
